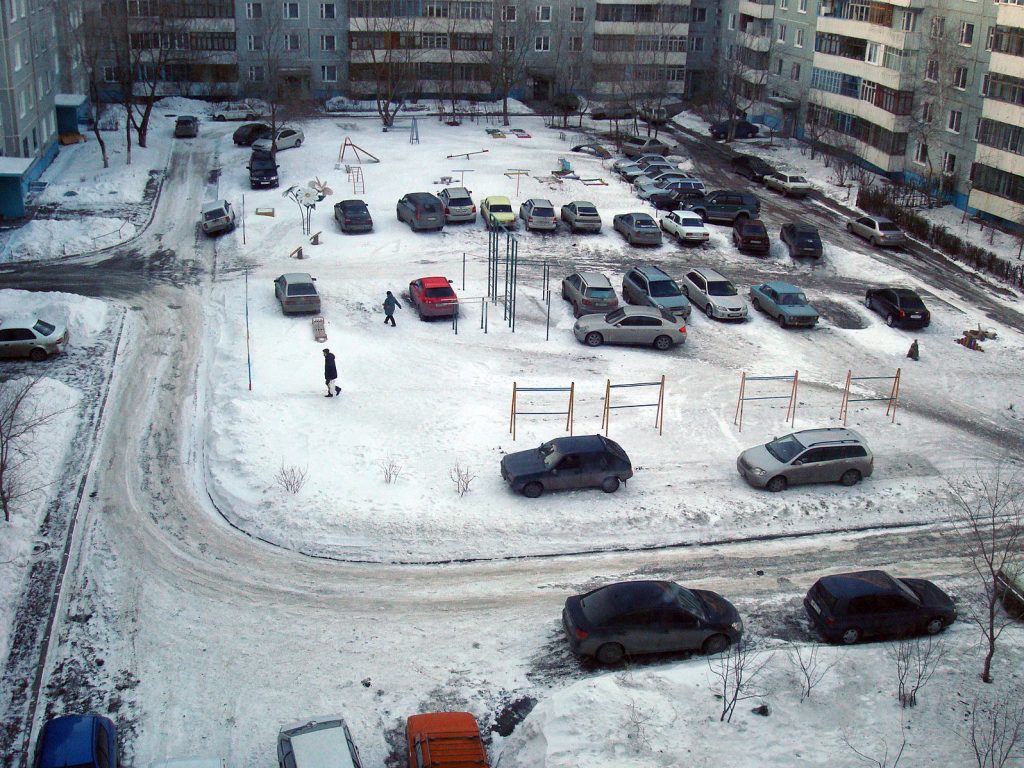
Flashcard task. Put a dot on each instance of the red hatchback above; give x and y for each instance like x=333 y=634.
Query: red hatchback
x=433 y=297
x=751 y=235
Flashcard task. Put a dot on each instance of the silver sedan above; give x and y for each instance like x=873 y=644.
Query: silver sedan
x=644 y=326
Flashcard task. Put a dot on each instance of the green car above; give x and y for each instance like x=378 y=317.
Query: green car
x=784 y=302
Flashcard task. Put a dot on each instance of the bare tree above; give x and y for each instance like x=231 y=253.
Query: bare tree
x=515 y=26
x=811 y=668
x=988 y=516
x=469 y=45
x=885 y=761
x=916 y=661
x=996 y=734
x=385 y=58
x=274 y=85
x=736 y=670
x=21 y=416
x=462 y=477
x=87 y=36
x=290 y=477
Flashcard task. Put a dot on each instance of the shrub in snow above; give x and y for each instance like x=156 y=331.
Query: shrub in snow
x=290 y=478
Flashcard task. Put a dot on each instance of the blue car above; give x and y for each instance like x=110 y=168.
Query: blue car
x=83 y=741
x=784 y=302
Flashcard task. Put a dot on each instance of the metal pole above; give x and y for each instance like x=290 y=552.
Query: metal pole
x=248 y=353
x=547 y=329
x=463 y=270
x=243 y=219
x=515 y=278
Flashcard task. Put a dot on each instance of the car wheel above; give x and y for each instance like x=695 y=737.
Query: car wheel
x=874 y=241
x=850 y=477
x=610 y=484
x=714 y=644
x=594 y=339
x=219 y=118
x=298 y=143
x=851 y=636
x=576 y=311
x=419 y=311
x=662 y=343
x=867 y=302
x=708 y=311
x=849 y=228
x=776 y=484
x=934 y=626
x=782 y=321
x=533 y=490
x=890 y=319
x=610 y=653
x=37 y=355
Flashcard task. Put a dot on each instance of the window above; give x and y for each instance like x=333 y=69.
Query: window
x=508 y=13
x=782 y=33
x=938 y=28
x=508 y=43
x=966 y=33
x=575 y=44
x=697 y=44
x=794 y=71
x=577 y=13
x=931 y=71
x=954 y=121
x=784 y=5
x=799 y=41
x=909 y=21
x=698 y=15
x=328 y=43
x=544 y=13
x=255 y=73
x=291 y=41
x=778 y=66
x=960 y=78
x=927 y=110
x=948 y=163
x=871 y=53
x=255 y=42
x=17 y=55
x=290 y=11
x=732 y=22
x=990 y=38
x=327 y=11
x=542 y=43
x=921 y=153
x=802 y=6
x=109 y=75
x=329 y=73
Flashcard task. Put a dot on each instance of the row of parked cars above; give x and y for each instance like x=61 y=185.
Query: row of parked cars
x=430 y=297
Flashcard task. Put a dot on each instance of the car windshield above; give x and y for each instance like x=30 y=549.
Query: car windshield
x=664 y=288
x=615 y=315
x=887 y=226
x=908 y=591
x=428 y=207
x=644 y=224
x=694 y=222
x=546 y=449
x=302 y=289
x=797 y=180
x=601 y=293
x=217 y=213
x=44 y=328
x=262 y=164
x=550 y=212
x=911 y=302
x=784 y=448
x=459 y=201
x=752 y=229
x=691 y=603
x=721 y=288
x=442 y=292
x=356 y=211
x=585 y=211
x=792 y=299
x=500 y=208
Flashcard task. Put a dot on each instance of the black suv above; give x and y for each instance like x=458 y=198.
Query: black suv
x=586 y=461
x=725 y=206
x=754 y=168
x=262 y=169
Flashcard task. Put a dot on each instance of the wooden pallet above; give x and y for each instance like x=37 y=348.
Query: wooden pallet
x=319 y=333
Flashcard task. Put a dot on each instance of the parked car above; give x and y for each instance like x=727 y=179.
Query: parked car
x=235 y=111
x=784 y=302
x=712 y=292
x=648 y=158
x=445 y=740
x=648 y=285
x=848 y=607
x=433 y=297
x=637 y=228
x=801 y=239
x=636 y=617
x=685 y=227
x=674 y=199
x=741 y=130
x=32 y=338
x=246 y=134
x=827 y=455
x=789 y=184
x=612 y=112
x=217 y=216
x=663 y=177
x=420 y=210
x=634 y=146
x=589 y=292
x=498 y=209
x=582 y=461
x=323 y=743
x=77 y=740
x=642 y=167
x=538 y=213
x=186 y=127
x=263 y=169
x=581 y=216
x=353 y=216
x=458 y=204
x=754 y=168
x=751 y=235
x=286 y=139
x=725 y=206
x=296 y=292
x=689 y=184
x=640 y=326
x=899 y=306
x=1010 y=585
x=877 y=229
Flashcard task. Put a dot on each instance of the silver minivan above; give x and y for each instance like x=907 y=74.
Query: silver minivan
x=828 y=455
x=323 y=742
x=458 y=204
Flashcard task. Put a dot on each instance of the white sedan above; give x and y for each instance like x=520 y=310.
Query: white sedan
x=788 y=184
x=686 y=227
x=286 y=138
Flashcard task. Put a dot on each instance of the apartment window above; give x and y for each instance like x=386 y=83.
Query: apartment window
x=732 y=21
x=577 y=13
x=926 y=112
x=966 y=33
x=909 y=21
x=794 y=71
x=778 y=66
x=17 y=55
x=953 y=124
x=575 y=44
x=255 y=73
x=508 y=43
x=931 y=71
x=782 y=33
x=542 y=43
x=434 y=41
x=948 y=162
x=871 y=53
x=254 y=10
x=328 y=73
x=960 y=78
x=327 y=11
x=109 y=75
x=543 y=13
x=802 y=6
x=784 y=5
x=508 y=13
x=938 y=28
x=328 y=43
x=291 y=41
x=799 y=41
x=990 y=38
x=921 y=153
x=696 y=44
x=255 y=42
x=290 y=11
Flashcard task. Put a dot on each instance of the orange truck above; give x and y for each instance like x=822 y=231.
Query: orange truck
x=445 y=740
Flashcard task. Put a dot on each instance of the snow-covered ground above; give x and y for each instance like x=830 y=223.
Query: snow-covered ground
x=426 y=399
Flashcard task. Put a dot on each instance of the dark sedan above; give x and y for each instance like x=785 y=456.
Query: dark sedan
x=585 y=461
x=848 y=607
x=673 y=200
x=246 y=134
x=751 y=235
x=801 y=239
x=899 y=306
x=353 y=216
x=635 y=617
x=754 y=168
x=741 y=129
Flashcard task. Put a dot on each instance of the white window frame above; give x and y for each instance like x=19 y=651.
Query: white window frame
x=732 y=21
x=508 y=42
x=255 y=42
x=576 y=44
x=927 y=112
x=798 y=40
x=873 y=53
x=960 y=78
x=954 y=121
x=291 y=38
x=794 y=71
x=254 y=10
x=801 y=6
x=256 y=73
x=921 y=153
x=508 y=13
x=323 y=11
x=780 y=35
x=578 y=14
x=696 y=44
x=325 y=70
x=287 y=7
x=938 y=28
x=784 y=5
x=931 y=70
x=332 y=39
x=966 y=33
x=909 y=21
x=542 y=43
x=544 y=14
x=948 y=163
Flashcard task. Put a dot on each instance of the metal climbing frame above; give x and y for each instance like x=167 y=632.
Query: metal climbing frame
x=892 y=399
x=516 y=389
x=791 y=397
x=659 y=406
x=509 y=265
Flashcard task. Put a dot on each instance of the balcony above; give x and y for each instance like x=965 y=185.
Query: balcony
x=995 y=205
x=873 y=33
x=862 y=109
x=637 y=27
x=1010 y=15
x=757 y=10
x=1005 y=64
x=1000 y=158
x=1002 y=112
x=888 y=77
x=760 y=43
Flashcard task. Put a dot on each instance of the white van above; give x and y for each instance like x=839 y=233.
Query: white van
x=324 y=742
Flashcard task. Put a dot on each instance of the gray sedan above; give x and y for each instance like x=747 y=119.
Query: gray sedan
x=637 y=228
x=878 y=230
x=581 y=216
x=631 y=325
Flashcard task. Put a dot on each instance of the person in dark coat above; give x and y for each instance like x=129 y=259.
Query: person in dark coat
x=330 y=374
x=390 y=302
x=914 y=353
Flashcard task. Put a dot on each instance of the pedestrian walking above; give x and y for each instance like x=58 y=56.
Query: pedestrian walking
x=390 y=303
x=914 y=353
x=330 y=374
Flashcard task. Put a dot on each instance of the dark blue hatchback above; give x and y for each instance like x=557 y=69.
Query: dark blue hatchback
x=77 y=741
